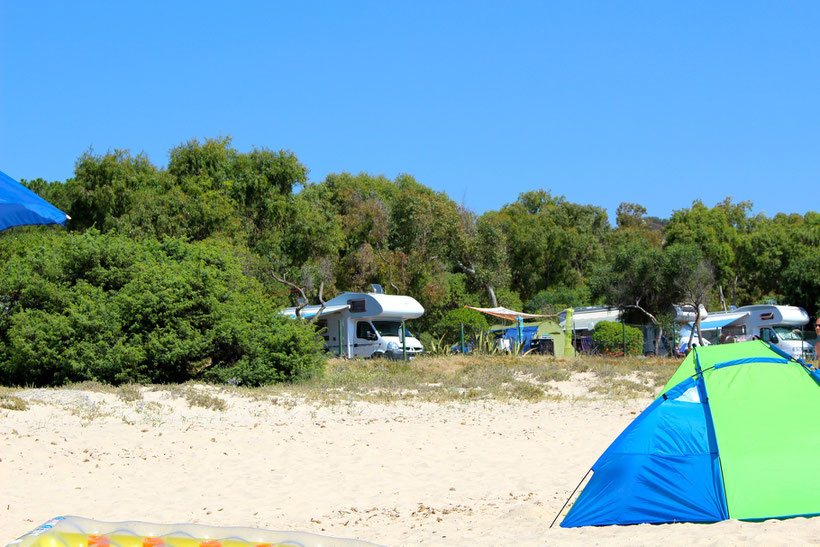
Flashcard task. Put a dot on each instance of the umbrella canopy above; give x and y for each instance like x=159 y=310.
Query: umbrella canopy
x=19 y=206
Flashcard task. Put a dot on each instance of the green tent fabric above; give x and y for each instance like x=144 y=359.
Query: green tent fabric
x=734 y=434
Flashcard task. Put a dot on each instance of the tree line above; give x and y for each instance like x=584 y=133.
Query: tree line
x=258 y=212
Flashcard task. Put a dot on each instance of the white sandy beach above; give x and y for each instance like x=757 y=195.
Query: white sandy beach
x=476 y=473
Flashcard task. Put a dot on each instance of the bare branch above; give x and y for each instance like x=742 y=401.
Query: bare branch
x=389 y=270
x=636 y=306
x=294 y=286
x=470 y=271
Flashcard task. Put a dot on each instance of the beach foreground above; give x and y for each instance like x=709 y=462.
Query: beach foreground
x=395 y=473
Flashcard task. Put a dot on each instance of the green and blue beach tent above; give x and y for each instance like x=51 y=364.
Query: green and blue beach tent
x=734 y=435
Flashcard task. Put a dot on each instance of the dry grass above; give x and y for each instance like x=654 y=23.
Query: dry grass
x=203 y=399
x=437 y=379
x=12 y=402
x=91 y=385
x=464 y=378
x=129 y=393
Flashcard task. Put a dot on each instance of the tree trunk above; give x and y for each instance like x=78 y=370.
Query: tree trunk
x=695 y=325
x=657 y=340
x=734 y=293
x=491 y=290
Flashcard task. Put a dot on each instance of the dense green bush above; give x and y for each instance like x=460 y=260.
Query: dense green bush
x=609 y=338
x=449 y=328
x=94 y=306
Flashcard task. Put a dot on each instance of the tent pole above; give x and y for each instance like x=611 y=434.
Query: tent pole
x=570 y=497
x=403 y=343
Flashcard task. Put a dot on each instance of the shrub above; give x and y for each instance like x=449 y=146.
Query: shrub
x=106 y=308
x=450 y=325
x=609 y=338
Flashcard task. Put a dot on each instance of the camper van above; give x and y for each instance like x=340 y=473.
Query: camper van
x=585 y=318
x=778 y=325
x=365 y=325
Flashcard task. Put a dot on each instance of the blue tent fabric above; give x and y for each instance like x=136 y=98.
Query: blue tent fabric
x=716 y=323
x=666 y=462
x=527 y=333
x=19 y=206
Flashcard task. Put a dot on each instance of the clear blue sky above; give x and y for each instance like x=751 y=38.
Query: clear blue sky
x=652 y=102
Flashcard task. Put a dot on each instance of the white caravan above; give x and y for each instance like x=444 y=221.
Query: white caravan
x=585 y=318
x=777 y=325
x=366 y=325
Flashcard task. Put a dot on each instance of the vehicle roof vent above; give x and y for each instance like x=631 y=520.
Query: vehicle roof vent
x=375 y=288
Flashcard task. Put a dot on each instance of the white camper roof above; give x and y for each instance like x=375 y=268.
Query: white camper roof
x=774 y=315
x=587 y=317
x=388 y=306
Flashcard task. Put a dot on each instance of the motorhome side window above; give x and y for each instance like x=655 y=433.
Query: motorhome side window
x=356 y=306
x=364 y=330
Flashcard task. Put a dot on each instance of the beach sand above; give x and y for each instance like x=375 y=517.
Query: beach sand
x=461 y=473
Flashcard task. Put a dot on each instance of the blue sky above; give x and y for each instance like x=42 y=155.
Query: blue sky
x=652 y=102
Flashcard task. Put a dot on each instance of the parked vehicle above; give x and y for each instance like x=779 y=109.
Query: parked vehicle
x=585 y=318
x=366 y=325
x=777 y=325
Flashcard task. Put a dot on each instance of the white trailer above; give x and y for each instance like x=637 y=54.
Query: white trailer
x=366 y=325
x=777 y=325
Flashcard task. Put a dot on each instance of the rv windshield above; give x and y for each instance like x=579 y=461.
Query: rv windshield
x=787 y=333
x=390 y=328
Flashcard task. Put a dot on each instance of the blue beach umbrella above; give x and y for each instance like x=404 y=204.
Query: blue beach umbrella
x=19 y=206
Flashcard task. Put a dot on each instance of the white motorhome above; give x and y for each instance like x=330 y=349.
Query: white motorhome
x=585 y=318
x=777 y=325
x=366 y=325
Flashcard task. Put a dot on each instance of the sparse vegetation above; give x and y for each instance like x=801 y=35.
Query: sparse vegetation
x=464 y=378
x=437 y=379
x=12 y=402
x=200 y=398
x=129 y=392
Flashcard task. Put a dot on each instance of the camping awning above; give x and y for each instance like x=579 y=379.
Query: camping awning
x=310 y=311
x=505 y=313
x=717 y=322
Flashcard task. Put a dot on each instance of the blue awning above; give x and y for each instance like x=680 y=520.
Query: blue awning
x=718 y=322
x=309 y=311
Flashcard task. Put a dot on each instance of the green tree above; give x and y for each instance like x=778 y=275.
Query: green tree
x=718 y=232
x=801 y=281
x=551 y=241
x=103 y=187
x=558 y=298
x=482 y=252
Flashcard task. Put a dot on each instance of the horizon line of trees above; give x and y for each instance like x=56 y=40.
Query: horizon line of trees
x=540 y=253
